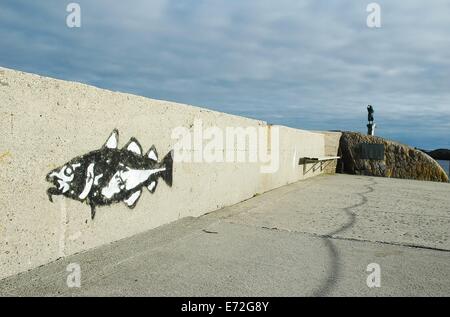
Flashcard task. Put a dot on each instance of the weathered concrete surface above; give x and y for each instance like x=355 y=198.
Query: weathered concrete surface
x=314 y=237
x=46 y=122
x=400 y=161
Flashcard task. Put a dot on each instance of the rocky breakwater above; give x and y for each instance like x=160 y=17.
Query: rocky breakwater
x=369 y=155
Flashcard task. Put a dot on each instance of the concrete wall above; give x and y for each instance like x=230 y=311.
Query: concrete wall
x=46 y=122
x=331 y=140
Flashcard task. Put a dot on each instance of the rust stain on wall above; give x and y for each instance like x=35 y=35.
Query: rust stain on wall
x=5 y=155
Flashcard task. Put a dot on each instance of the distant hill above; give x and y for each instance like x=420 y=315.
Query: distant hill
x=439 y=154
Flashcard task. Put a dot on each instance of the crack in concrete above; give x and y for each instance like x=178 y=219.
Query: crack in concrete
x=351 y=214
x=315 y=235
x=331 y=280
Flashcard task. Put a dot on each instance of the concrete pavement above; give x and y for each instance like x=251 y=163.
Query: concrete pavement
x=312 y=238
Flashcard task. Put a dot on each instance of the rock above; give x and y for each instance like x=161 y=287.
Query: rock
x=400 y=161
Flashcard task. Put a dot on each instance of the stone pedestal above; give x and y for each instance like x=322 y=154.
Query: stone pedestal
x=371 y=129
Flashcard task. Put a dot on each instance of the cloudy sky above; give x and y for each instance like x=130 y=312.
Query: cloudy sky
x=307 y=64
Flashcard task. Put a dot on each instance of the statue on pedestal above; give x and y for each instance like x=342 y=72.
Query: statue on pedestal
x=371 y=126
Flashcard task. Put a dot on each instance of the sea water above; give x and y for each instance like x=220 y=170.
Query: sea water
x=445 y=164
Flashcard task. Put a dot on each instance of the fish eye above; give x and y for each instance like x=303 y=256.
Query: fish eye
x=68 y=171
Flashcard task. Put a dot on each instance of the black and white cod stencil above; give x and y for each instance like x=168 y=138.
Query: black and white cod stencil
x=110 y=175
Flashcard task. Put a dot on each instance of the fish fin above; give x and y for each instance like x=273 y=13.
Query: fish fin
x=168 y=164
x=52 y=191
x=152 y=186
x=132 y=199
x=113 y=140
x=133 y=146
x=152 y=154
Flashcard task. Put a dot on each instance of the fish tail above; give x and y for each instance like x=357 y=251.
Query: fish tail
x=167 y=162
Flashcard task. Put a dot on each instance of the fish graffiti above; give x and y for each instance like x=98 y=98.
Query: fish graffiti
x=111 y=175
